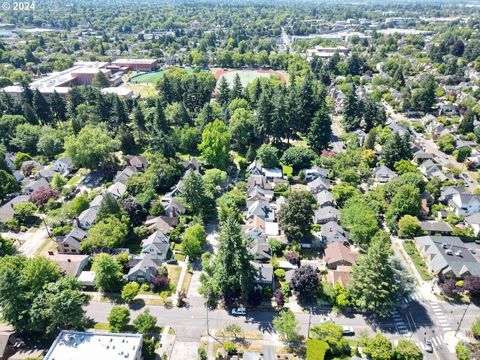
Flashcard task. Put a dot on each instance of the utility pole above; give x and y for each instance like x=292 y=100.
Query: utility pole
x=461 y=320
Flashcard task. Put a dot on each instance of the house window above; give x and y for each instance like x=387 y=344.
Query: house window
x=74 y=251
x=66 y=245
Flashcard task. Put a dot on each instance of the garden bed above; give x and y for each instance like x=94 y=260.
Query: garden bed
x=417 y=260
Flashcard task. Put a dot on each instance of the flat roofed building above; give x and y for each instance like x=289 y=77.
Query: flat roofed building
x=77 y=345
x=137 y=64
x=121 y=91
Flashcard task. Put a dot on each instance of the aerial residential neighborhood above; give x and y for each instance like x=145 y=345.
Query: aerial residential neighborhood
x=237 y=180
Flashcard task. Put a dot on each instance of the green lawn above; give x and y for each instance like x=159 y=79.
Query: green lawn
x=246 y=76
x=417 y=260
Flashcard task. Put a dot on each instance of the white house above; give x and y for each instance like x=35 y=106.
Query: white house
x=465 y=204
x=64 y=165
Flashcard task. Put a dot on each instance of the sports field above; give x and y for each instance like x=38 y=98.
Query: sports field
x=247 y=76
x=151 y=77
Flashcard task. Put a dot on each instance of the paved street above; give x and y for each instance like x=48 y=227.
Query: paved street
x=420 y=320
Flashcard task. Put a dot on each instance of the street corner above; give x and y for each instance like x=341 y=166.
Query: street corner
x=452 y=338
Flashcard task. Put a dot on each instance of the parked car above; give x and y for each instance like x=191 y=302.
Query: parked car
x=239 y=311
x=326 y=319
x=172 y=261
x=348 y=331
x=428 y=346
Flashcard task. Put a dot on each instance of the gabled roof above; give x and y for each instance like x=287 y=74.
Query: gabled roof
x=260 y=208
x=70 y=264
x=66 y=160
x=146 y=264
x=125 y=174
x=435 y=226
x=473 y=219
x=337 y=251
x=318 y=183
x=89 y=215
x=259 y=247
x=192 y=162
x=117 y=189
x=137 y=161
x=464 y=199
x=163 y=223
x=157 y=237
x=42 y=182
x=448 y=254
x=325 y=197
x=74 y=237
x=327 y=212
x=383 y=173
x=7 y=212
x=264 y=272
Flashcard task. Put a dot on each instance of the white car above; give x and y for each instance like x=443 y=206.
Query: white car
x=326 y=319
x=239 y=311
x=348 y=331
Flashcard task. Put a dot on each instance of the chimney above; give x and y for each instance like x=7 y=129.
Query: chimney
x=69 y=260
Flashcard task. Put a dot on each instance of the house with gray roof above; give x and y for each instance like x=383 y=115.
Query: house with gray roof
x=70 y=243
x=325 y=198
x=48 y=172
x=465 y=204
x=192 y=164
x=430 y=170
x=257 y=193
x=64 y=165
x=174 y=208
x=259 y=246
x=262 y=209
x=264 y=274
x=421 y=156
x=326 y=214
x=435 y=228
x=314 y=172
x=317 y=185
x=6 y=210
x=156 y=246
x=125 y=174
x=34 y=185
x=332 y=231
x=382 y=174
x=260 y=181
x=447 y=193
x=447 y=256
x=117 y=190
x=87 y=218
x=143 y=269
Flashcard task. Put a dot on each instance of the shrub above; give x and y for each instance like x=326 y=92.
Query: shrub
x=159 y=282
x=463 y=353
x=230 y=347
x=292 y=257
x=280 y=274
x=279 y=298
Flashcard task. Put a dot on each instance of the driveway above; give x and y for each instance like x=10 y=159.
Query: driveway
x=31 y=241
